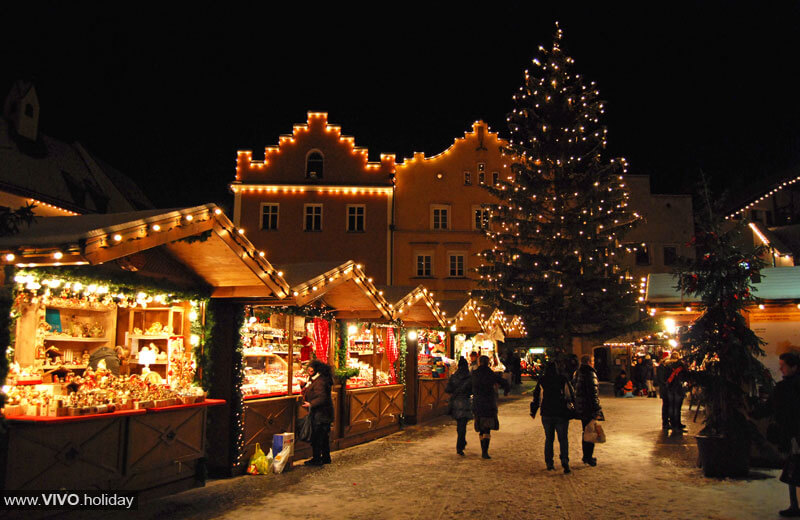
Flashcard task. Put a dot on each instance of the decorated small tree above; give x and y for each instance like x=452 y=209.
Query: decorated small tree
x=723 y=351
x=555 y=234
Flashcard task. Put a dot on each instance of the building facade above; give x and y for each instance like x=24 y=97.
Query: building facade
x=316 y=197
x=440 y=213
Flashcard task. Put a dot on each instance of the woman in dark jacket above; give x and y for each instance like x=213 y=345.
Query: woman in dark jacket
x=587 y=403
x=460 y=389
x=317 y=399
x=484 y=401
x=557 y=392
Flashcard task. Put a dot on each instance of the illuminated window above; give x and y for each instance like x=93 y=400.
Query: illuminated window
x=314 y=164
x=480 y=218
x=456 y=264
x=481 y=177
x=467 y=178
x=440 y=214
x=313 y=217
x=424 y=264
x=355 y=218
x=269 y=216
x=481 y=167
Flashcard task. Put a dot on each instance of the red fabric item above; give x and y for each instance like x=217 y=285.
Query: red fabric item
x=391 y=353
x=305 y=350
x=322 y=336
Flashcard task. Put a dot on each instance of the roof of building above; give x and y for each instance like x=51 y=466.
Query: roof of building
x=777 y=283
x=64 y=175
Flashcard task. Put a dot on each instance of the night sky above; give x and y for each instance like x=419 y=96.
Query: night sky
x=167 y=95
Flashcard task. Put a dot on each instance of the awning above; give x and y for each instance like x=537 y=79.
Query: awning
x=416 y=307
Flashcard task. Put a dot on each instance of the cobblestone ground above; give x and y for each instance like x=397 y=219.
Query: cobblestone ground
x=641 y=473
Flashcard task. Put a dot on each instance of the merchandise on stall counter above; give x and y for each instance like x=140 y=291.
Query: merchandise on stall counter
x=266 y=355
x=364 y=377
x=95 y=392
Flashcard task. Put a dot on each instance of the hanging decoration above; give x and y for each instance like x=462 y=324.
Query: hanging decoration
x=321 y=339
x=391 y=353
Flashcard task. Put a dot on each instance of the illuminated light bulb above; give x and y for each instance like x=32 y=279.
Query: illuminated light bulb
x=156 y=227
x=217 y=211
x=241 y=231
x=117 y=238
x=280 y=273
x=352 y=329
x=295 y=293
x=261 y=254
x=189 y=218
x=10 y=257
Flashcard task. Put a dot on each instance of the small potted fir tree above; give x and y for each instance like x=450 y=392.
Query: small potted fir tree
x=722 y=350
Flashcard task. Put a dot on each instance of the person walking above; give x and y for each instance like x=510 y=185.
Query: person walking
x=675 y=391
x=649 y=374
x=317 y=399
x=587 y=403
x=484 y=401
x=784 y=406
x=459 y=386
x=553 y=394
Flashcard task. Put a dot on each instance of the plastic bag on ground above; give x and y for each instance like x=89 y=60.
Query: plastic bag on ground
x=260 y=463
x=279 y=463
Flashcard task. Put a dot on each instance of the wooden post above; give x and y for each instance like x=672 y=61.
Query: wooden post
x=332 y=343
x=411 y=380
x=290 y=329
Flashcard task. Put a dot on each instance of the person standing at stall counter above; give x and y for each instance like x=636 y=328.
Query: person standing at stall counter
x=484 y=401
x=317 y=399
x=460 y=388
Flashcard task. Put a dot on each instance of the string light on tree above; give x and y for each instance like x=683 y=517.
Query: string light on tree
x=562 y=211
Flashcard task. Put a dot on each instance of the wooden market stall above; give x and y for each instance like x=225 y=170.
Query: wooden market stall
x=329 y=304
x=111 y=318
x=464 y=320
x=428 y=352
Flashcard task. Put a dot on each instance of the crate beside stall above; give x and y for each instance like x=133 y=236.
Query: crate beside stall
x=108 y=323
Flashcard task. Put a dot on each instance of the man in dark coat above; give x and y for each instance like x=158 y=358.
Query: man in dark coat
x=675 y=391
x=558 y=395
x=587 y=403
x=317 y=399
x=484 y=401
x=784 y=405
x=460 y=389
x=662 y=373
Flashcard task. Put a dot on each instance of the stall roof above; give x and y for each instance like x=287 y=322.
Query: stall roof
x=342 y=286
x=202 y=238
x=464 y=315
x=777 y=283
x=419 y=308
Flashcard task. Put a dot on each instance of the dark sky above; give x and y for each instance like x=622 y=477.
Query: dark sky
x=168 y=94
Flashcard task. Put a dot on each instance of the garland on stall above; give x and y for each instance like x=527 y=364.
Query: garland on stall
x=316 y=309
x=6 y=324
x=202 y=329
x=342 y=372
x=400 y=365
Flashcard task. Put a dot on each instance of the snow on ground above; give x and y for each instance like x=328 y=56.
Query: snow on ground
x=415 y=474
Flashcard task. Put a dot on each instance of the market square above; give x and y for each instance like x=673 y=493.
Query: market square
x=553 y=276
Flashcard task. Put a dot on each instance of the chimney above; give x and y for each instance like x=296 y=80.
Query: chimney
x=21 y=108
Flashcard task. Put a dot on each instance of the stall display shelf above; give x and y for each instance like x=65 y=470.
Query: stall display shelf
x=65 y=366
x=153 y=336
x=82 y=307
x=73 y=339
x=264 y=396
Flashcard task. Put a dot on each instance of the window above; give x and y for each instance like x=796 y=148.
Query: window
x=495 y=178
x=456 y=265
x=481 y=167
x=28 y=110
x=480 y=218
x=314 y=164
x=269 y=216
x=355 y=218
x=467 y=178
x=313 y=217
x=642 y=255
x=439 y=216
x=424 y=263
x=481 y=177
x=670 y=255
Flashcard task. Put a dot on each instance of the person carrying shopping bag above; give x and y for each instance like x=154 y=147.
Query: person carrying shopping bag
x=587 y=403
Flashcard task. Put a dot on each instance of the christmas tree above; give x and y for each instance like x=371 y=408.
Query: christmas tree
x=555 y=233
x=723 y=350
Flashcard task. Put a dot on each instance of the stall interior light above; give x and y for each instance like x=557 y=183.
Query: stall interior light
x=412 y=335
x=156 y=227
x=352 y=330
